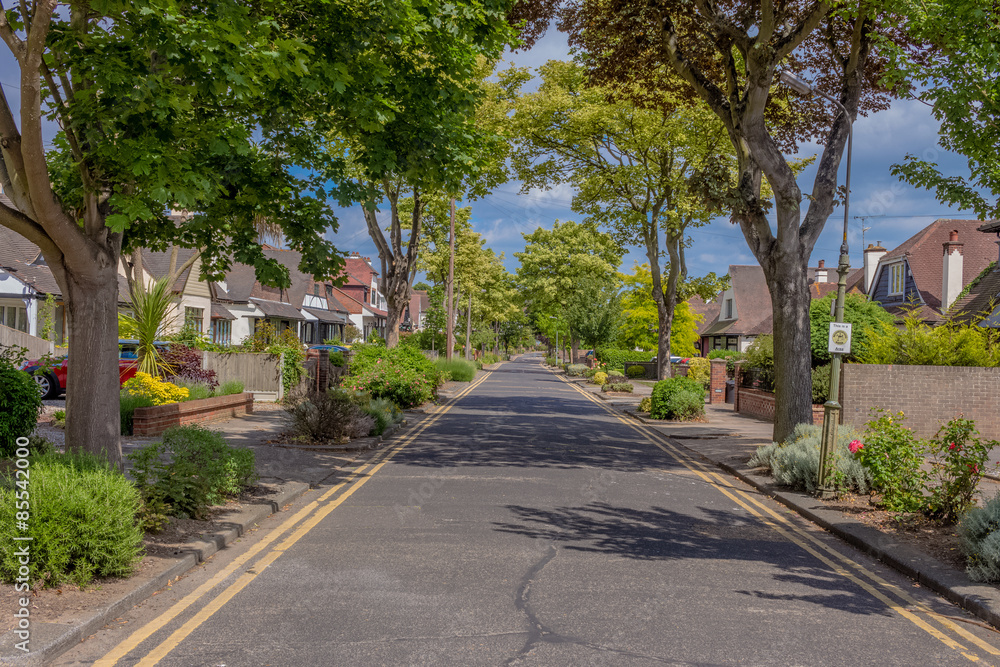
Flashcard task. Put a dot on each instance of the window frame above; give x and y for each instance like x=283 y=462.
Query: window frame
x=897 y=279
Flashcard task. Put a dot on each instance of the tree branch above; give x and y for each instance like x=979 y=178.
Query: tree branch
x=8 y=35
x=792 y=40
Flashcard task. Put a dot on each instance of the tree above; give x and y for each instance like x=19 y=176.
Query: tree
x=956 y=72
x=639 y=172
x=593 y=311
x=558 y=263
x=727 y=54
x=224 y=112
x=640 y=312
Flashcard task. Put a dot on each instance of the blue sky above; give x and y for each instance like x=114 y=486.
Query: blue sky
x=892 y=210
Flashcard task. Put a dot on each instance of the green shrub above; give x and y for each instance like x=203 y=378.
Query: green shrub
x=488 y=358
x=551 y=361
x=384 y=412
x=59 y=419
x=795 y=462
x=330 y=416
x=636 y=372
x=616 y=375
x=821 y=384
x=39 y=445
x=196 y=390
x=129 y=402
x=576 y=370
x=20 y=405
x=190 y=470
x=893 y=455
x=599 y=378
x=82 y=524
x=460 y=370
x=760 y=356
x=230 y=387
x=678 y=398
x=960 y=458
x=646 y=404
x=337 y=358
x=616 y=358
x=700 y=370
x=618 y=386
x=979 y=538
x=731 y=357
x=401 y=374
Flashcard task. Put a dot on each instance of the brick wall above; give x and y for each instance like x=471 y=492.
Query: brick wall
x=760 y=404
x=157 y=419
x=717 y=381
x=928 y=395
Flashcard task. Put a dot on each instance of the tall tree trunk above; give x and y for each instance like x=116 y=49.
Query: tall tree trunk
x=792 y=348
x=574 y=355
x=93 y=422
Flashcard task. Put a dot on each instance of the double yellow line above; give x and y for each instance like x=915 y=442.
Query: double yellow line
x=309 y=516
x=889 y=594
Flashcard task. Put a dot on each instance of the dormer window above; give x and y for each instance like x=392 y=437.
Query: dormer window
x=729 y=309
x=897 y=278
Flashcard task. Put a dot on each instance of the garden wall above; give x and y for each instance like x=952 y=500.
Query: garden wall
x=927 y=395
x=36 y=347
x=157 y=419
x=760 y=404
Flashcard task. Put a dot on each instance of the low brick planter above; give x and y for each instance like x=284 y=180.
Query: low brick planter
x=157 y=419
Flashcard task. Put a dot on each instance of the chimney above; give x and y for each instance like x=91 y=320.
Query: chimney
x=821 y=271
x=951 y=274
x=873 y=253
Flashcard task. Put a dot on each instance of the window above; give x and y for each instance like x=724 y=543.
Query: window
x=729 y=309
x=14 y=317
x=194 y=318
x=732 y=343
x=307 y=332
x=222 y=332
x=897 y=278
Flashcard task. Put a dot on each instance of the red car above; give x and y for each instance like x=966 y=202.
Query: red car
x=51 y=378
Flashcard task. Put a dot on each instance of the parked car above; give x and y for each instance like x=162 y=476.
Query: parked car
x=51 y=377
x=313 y=351
x=674 y=360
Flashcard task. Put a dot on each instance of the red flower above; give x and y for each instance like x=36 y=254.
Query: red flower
x=855 y=446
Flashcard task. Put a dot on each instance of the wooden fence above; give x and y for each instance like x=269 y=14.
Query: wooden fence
x=259 y=372
x=36 y=346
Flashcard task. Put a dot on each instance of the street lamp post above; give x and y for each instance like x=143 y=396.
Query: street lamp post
x=831 y=409
x=553 y=317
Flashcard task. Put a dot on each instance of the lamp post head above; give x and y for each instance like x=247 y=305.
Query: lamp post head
x=795 y=83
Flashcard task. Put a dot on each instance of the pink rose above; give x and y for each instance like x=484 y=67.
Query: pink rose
x=856 y=446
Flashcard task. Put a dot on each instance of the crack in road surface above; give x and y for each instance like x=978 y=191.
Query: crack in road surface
x=539 y=633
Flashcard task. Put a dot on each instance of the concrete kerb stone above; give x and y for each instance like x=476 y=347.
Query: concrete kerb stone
x=53 y=639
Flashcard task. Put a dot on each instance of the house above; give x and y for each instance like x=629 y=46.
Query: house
x=744 y=311
x=413 y=318
x=928 y=271
x=361 y=296
x=735 y=318
x=980 y=300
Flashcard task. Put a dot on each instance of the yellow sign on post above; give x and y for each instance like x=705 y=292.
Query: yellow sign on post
x=840 y=338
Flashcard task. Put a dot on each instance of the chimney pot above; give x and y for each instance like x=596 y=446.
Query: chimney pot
x=822 y=263
x=953 y=236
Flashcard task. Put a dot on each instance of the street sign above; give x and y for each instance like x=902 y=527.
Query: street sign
x=840 y=338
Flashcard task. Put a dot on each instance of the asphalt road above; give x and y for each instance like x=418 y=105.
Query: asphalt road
x=525 y=524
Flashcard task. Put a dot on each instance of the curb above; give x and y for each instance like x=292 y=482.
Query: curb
x=52 y=639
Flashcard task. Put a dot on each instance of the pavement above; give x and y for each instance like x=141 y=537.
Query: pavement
x=440 y=558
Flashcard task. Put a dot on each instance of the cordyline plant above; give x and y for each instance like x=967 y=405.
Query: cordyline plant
x=728 y=55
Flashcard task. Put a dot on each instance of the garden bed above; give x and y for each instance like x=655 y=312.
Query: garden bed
x=151 y=421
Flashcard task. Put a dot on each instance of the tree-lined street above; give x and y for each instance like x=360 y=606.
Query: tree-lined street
x=523 y=523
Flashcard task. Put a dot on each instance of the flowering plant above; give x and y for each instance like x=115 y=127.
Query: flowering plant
x=959 y=457
x=894 y=455
x=155 y=389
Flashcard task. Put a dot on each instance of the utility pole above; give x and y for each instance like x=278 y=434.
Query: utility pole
x=468 y=330
x=451 y=286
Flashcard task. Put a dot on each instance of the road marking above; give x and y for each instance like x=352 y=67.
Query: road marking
x=800 y=537
x=357 y=478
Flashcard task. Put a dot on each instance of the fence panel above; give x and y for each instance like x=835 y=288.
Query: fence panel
x=36 y=346
x=259 y=372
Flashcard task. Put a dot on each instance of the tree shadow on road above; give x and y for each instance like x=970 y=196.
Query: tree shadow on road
x=660 y=534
